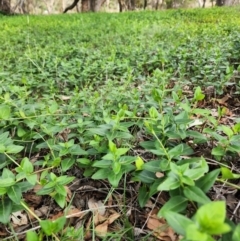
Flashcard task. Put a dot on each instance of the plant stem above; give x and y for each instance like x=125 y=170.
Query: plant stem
x=12 y=159
x=160 y=142
x=229 y=183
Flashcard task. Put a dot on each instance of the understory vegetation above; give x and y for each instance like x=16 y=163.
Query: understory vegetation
x=120 y=126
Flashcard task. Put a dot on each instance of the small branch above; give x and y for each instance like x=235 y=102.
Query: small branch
x=71 y=6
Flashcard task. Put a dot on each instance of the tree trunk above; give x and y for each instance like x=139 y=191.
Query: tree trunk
x=169 y=4
x=228 y=2
x=120 y=6
x=5 y=6
x=219 y=3
x=145 y=4
x=85 y=6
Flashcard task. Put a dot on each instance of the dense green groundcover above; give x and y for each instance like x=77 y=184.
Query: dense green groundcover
x=111 y=94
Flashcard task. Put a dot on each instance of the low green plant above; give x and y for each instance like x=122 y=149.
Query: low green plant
x=203 y=225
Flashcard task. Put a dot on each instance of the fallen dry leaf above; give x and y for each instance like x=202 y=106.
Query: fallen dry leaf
x=159 y=174
x=113 y=217
x=223 y=100
x=65 y=97
x=56 y=216
x=75 y=212
x=160 y=228
x=19 y=218
x=34 y=199
x=96 y=206
x=42 y=211
x=98 y=218
x=69 y=194
x=101 y=229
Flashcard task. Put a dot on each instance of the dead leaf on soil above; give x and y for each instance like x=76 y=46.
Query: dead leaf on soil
x=42 y=211
x=96 y=206
x=160 y=228
x=34 y=199
x=102 y=229
x=19 y=218
x=98 y=218
x=69 y=194
x=56 y=216
x=63 y=135
x=75 y=212
x=65 y=97
x=159 y=174
x=223 y=100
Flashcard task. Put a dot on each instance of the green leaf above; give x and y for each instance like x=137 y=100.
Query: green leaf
x=5 y=210
x=198 y=94
x=13 y=149
x=61 y=190
x=53 y=107
x=198 y=137
x=2 y=148
x=207 y=181
x=60 y=200
x=25 y=186
x=114 y=179
x=218 y=151
x=145 y=176
x=84 y=161
x=7 y=174
x=211 y=216
x=3 y=190
x=121 y=151
x=178 y=222
x=194 y=193
x=227 y=174
x=14 y=193
x=236 y=233
x=102 y=163
x=52 y=227
x=226 y=130
x=21 y=132
x=180 y=150
x=45 y=191
x=67 y=163
x=32 y=179
x=5 y=111
x=233 y=148
x=116 y=167
x=187 y=180
x=152 y=166
x=175 y=204
x=77 y=150
x=64 y=180
x=194 y=234
x=7 y=182
x=236 y=128
x=101 y=174
x=4 y=139
x=139 y=163
x=127 y=160
x=32 y=236
x=112 y=147
x=153 y=113
x=26 y=165
x=170 y=183
x=143 y=196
